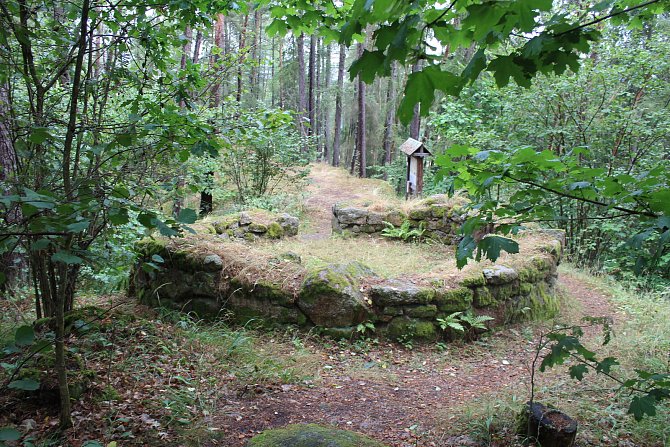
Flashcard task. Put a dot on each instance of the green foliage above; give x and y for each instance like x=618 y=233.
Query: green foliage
x=404 y=231
x=564 y=343
x=25 y=349
x=465 y=323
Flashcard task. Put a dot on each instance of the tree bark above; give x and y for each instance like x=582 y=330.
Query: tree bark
x=324 y=110
x=415 y=124
x=390 y=118
x=302 y=99
x=361 y=128
x=241 y=57
x=178 y=202
x=219 y=42
x=338 y=106
x=311 y=107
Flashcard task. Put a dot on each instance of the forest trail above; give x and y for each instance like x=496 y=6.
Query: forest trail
x=403 y=397
x=328 y=186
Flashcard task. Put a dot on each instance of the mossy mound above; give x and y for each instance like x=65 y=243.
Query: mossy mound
x=311 y=435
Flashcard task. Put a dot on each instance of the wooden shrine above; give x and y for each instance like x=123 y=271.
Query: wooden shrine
x=416 y=153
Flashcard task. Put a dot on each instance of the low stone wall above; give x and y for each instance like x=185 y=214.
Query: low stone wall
x=440 y=217
x=254 y=224
x=336 y=298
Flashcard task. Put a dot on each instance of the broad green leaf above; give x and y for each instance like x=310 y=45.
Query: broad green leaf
x=578 y=371
x=492 y=245
x=38 y=135
x=9 y=434
x=187 y=216
x=641 y=406
x=66 y=257
x=24 y=385
x=24 y=336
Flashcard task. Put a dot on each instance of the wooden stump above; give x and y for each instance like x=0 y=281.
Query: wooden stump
x=550 y=427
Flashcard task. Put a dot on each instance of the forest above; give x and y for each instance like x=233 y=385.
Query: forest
x=209 y=234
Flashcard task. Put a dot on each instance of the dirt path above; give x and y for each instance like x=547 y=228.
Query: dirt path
x=329 y=186
x=387 y=391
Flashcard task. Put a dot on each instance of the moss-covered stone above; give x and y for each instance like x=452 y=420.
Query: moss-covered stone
x=475 y=279
x=403 y=327
x=505 y=292
x=395 y=292
x=483 y=297
x=311 y=435
x=275 y=231
x=530 y=274
x=260 y=228
x=525 y=288
x=151 y=246
x=454 y=300
x=425 y=311
x=331 y=296
x=249 y=237
x=419 y=213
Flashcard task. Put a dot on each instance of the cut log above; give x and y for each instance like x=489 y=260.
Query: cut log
x=550 y=427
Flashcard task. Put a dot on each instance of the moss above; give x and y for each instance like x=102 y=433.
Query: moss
x=425 y=311
x=275 y=231
x=542 y=264
x=474 y=280
x=311 y=435
x=338 y=332
x=224 y=223
x=455 y=300
x=419 y=213
x=505 y=292
x=249 y=237
x=525 y=288
x=151 y=246
x=391 y=310
x=258 y=228
x=483 y=297
x=403 y=327
x=543 y=305
x=528 y=274
x=438 y=211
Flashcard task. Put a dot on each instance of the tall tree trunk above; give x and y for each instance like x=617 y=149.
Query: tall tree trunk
x=281 y=72
x=219 y=42
x=254 y=86
x=324 y=110
x=317 y=95
x=302 y=98
x=415 y=124
x=311 y=108
x=390 y=117
x=338 y=106
x=241 y=56
x=178 y=202
x=362 y=128
x=196 y=47
x=10 y=261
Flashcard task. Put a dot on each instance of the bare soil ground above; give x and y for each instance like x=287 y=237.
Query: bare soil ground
x=158 y=384
x=399 y=396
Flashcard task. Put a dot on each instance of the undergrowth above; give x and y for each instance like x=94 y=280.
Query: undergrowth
x=641 y=341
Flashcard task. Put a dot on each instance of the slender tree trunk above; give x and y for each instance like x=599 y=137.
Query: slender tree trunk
x=196 y=47
x=415 y=124
x=311 y=108
x=255 y=56
x=219 y=36
x=241 y=56
x=178 y=202
x=302 y=98
x=390 y=118
x=338 y=106
x=281 y=72
x=362 y=128
x=324 y=110
x=317 y=95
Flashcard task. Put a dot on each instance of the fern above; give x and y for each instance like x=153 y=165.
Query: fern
x=451 y=321
x=476 y=321
x=404 y=231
